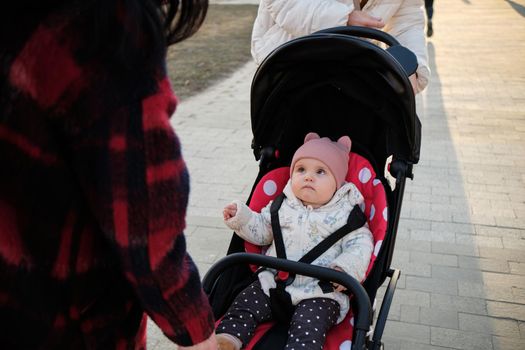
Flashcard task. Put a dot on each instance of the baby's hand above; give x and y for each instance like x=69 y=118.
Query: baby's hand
x=337 y=286
x=229 y=211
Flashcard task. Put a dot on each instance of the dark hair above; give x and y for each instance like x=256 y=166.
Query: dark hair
x=144 y=33
x=190 y=16
x=160 y=23
x=128 y=37
x=179 y=18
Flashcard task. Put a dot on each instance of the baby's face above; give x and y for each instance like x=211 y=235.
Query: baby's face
x=313 y=182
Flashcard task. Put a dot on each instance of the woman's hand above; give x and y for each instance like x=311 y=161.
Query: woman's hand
x=208 y=344
x=229 y=211
x=363 y=19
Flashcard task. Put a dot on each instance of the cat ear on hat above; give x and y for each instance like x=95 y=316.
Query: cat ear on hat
x=311 y=136
x=345 y=142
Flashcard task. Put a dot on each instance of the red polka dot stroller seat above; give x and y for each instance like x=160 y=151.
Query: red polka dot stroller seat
x=363 y=176
x=333 y=83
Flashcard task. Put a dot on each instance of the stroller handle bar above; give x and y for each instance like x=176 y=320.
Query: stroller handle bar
x=362 y=32
x=363 y=316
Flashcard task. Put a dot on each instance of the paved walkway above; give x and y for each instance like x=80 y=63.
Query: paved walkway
x=461 y=240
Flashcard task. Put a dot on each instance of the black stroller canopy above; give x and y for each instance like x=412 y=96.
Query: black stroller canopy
x=337 y=85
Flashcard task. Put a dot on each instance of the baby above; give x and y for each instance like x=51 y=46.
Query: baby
x=318 y=202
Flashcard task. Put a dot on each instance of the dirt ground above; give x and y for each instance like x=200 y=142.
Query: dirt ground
x=220 y=46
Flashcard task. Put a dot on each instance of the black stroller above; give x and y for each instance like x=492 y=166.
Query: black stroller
x=334 y=82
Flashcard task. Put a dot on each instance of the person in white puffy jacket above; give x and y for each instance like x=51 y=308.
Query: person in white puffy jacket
x=318 y=202
x=279 y=21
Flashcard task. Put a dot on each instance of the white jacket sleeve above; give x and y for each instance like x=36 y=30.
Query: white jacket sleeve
x=408 y=27
x=253 y=227
x=302 y=17
x=357 y=250
x=357 y=246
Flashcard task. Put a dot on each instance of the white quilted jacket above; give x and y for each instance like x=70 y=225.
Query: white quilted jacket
x=278 y=21
x=302 y=229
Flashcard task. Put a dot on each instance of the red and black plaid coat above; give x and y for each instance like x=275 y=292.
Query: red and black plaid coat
x=93 y=196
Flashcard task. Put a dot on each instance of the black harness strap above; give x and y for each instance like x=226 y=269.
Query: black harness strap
x=276 y=226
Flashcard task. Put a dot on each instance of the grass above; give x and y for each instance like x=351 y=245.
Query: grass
x=220 y=46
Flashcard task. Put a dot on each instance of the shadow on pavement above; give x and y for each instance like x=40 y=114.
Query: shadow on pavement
x=517 y=7
x=436 y=237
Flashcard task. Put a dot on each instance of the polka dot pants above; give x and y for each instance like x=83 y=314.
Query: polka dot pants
x=310 y=322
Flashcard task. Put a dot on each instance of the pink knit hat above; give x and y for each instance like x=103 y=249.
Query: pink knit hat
x=333 y=154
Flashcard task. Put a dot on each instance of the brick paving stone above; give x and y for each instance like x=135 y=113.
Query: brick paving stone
x=418 y=246
x=494 y=265
x=433 y=236
x=503 y=279
x=514 y=243
x=505 y=343
x=411 y=224
x=457 y=274
x=453 y=227
x=507 y=222
x=503 y=232
x=487 y=291
x=407 y=345
x=407 y=331
x=517 y=268
x=435 y=259
x=460 y=339
x=489 y=325
x=439 y=317
x=409 y=313
x=458 y=303
x=414 y=269
x=510 y=310
x=452 y=248
x=434 y=285
x=405 y=296
x=507 y=253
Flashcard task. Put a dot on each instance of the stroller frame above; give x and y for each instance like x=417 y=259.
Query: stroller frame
x=405 y=133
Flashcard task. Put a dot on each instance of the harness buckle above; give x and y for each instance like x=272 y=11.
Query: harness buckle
x=284 y=277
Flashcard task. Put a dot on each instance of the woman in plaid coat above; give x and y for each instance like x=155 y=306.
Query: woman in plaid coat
x=93 y=187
